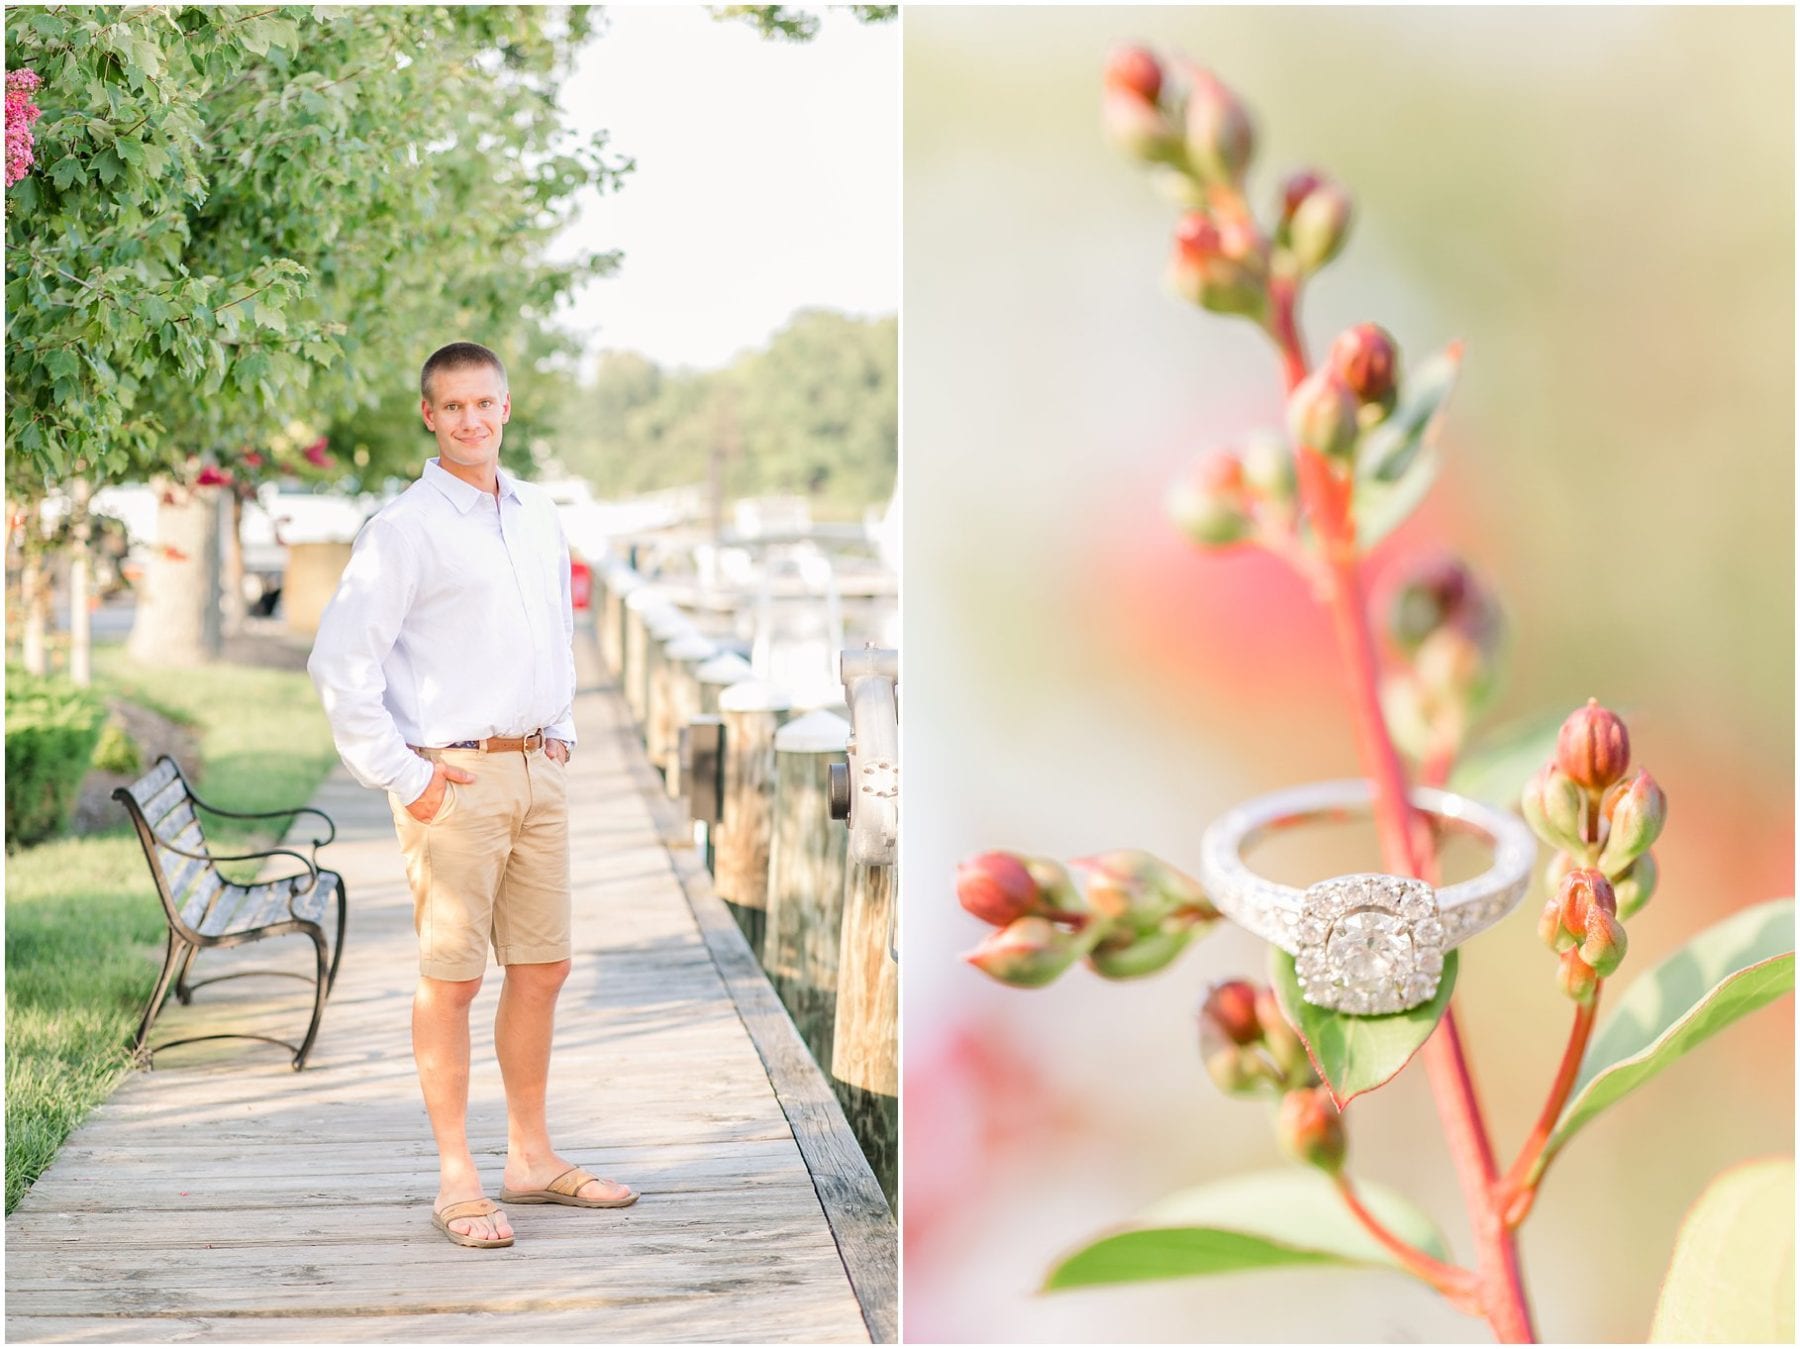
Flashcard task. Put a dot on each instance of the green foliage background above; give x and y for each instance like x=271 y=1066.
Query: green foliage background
x=815 y=413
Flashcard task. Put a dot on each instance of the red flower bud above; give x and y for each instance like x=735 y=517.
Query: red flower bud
x=1219 y=265
x=315 y=454
x=1311 y=1130
x=252 y=459
x=997 y=888
x=1322 y=414
x=1571 y=915
x=1027 y=953
x=1220 y=137
x=1318 y=225
x=1296 y=188
x=1228 y=1016
x=211 y=476
x=1575 y=977
x=1210 y=504
x=1603 y=948
x=1366 y=360
x=1593 y=747
x=1635 y=810
x=1135 y=70
x=1552 y=804
x=1132 y=884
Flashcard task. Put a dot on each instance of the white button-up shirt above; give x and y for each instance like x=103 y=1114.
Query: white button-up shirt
x=452 y=622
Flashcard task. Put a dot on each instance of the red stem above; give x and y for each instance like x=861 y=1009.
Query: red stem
x=1452 y=1281
x=1518 y=1191
x=1325 y=496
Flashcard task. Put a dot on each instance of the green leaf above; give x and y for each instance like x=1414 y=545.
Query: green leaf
x=1259 y=1221
x=1354 y=1054
x=65 y=171
x=108 y=165
x=1727 y=972
x=1397 y=461
x=1731 y=1279
x=1496 y=770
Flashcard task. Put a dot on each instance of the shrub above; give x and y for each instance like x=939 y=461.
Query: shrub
x=51 y=730
x=117 y=752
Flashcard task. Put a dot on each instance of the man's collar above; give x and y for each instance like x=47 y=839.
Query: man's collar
x=463 y=495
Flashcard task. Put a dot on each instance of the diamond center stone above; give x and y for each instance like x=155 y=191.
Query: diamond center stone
x=1368 y=949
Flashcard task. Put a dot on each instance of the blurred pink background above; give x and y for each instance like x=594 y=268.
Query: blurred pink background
x=1599 y=203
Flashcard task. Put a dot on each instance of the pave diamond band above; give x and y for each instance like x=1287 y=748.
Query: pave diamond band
x=1367 y=943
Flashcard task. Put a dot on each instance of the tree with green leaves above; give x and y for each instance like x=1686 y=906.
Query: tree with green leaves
x=247 y=219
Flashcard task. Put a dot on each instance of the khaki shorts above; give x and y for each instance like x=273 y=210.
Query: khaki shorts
x=492 y=866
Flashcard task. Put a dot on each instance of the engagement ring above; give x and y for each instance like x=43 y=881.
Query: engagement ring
x=1366 y=943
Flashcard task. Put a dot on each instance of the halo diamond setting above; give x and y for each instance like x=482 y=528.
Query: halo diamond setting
x=1369 y=944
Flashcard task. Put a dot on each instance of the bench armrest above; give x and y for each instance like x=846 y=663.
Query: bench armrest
x=311 y=876
x=330 y=824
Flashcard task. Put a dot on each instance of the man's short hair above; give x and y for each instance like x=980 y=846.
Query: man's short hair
x=457 y=356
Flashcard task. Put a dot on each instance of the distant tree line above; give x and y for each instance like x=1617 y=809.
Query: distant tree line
x=814 y=413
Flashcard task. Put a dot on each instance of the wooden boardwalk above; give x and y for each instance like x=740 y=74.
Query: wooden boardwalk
x=225 y=1197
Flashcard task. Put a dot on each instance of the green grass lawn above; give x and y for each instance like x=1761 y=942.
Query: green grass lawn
x=84 y=929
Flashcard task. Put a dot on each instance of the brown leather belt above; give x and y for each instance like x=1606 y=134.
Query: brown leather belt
x=499 y=744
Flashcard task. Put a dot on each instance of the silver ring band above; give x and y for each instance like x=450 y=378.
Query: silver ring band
x=1366 y=943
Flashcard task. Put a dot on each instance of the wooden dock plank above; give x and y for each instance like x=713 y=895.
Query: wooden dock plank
x=224 y=1197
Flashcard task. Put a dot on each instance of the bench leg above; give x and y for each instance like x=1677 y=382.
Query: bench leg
x=321 y=986
x=183 y=993
x=337 y=947
x=178 y=953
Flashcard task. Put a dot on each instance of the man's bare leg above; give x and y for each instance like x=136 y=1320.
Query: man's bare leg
x=522 y=1031
x=441 y=1053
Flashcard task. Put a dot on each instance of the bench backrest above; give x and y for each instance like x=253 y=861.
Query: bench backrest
x=161 y=807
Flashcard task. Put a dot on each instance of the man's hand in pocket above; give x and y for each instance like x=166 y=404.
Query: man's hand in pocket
x=426 y=808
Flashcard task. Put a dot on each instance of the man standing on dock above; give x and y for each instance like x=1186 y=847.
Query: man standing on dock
x=445 y=662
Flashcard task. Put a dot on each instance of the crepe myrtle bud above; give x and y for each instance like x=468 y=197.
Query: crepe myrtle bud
x=1132 y=884
x=1593 y=747
x=1634 y=885
x=1027 y=953
x=1136 y=71
x=1433 y=592
x=1286 y=1050
x=1210 y=504
x=1576 y=977
x=1317 y=226
x=1366 y=359
x=1552 y=805
x=1634 y=809
x=1229 y=1015
x=1322 y=414
x=1268 y=469
x=1220 y=137
x=1219 y=265
x=1296 y=188
x=1581 y=901
x=997 y=888
x=1311 y=1130
x=1132 y=954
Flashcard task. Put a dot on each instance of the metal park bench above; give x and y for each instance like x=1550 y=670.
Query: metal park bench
x=207 y=911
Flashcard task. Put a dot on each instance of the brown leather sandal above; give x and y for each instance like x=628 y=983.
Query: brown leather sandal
x=563 y=1190
x=468 y=1208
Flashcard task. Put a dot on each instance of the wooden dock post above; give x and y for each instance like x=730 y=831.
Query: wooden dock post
x=682 y=656
x=717 y=675
x=753 y=710
x=806 y=877
x=643 y=601
x=661 y=626
x=617 y=581
x=865 y=1059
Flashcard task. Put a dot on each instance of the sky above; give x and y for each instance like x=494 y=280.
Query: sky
x=767 y=179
